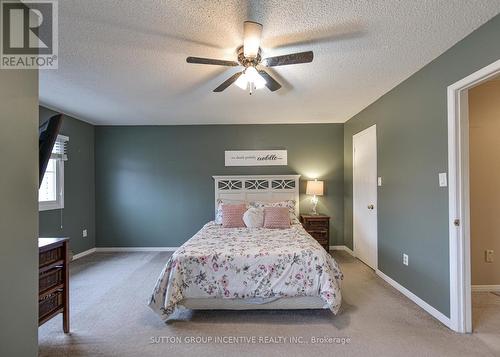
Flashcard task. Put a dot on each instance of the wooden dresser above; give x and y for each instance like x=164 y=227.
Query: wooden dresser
x=319 y=227
x=53 y=280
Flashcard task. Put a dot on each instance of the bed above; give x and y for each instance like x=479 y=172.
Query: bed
x=249 y=268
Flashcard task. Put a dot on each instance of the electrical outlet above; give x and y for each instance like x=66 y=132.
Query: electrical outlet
x=84 y=233
x=379 y=181
x=405 y=259
x=489 y=255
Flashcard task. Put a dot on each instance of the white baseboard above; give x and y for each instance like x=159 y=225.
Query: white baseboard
x=135 y=249
x=342 y=247
x=485 y=288
x=123 y=249
x=431 y=310
x=82 y=254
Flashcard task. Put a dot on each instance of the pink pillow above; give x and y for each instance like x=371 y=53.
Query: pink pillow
x=276 y=217
x=232 y=215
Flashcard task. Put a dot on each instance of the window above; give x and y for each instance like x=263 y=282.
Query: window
x=51 y=192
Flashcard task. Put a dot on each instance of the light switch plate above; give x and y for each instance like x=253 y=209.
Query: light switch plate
x=379 y=181
x=443 y=181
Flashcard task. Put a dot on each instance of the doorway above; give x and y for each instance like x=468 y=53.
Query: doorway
x=364 y=179
x=459 y=196
x=484 y=174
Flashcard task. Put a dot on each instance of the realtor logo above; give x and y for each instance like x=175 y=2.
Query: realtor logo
x=29 y=38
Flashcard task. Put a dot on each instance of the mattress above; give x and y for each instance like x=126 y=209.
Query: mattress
x=233 y=266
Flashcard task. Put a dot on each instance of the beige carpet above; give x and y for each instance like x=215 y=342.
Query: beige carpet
x=110 y=318
x=486 y=319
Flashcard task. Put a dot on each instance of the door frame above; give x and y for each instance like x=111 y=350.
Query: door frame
x=458 y=196
x=372 y=127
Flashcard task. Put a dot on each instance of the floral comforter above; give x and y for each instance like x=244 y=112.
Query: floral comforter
x=247 y=263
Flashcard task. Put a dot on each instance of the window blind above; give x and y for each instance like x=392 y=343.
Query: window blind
x=59 y=152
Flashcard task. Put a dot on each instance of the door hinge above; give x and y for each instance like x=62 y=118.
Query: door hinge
x=456 y=222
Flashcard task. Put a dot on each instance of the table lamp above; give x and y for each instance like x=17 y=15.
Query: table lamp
x=314 y=188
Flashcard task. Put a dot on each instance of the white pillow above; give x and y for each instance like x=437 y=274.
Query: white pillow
x=290 y=204
x=254 y=217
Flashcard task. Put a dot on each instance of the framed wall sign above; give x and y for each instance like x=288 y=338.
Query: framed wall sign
x=256 y=158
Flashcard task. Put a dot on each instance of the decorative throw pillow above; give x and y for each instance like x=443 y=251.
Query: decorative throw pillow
x=254 y=217
x=220 y=203
x=290 y=204
x=232 y=215
x=276 y=217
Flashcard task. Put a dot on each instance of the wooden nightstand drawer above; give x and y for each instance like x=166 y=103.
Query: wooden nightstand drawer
x=315 y=224
x=320 y=236
x=50 y=303
x=50 y=256
x=50 y=278
x=318 y=227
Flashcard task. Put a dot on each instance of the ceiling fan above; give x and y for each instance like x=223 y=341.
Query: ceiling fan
x=254 y=76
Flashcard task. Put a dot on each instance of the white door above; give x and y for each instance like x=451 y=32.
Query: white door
x=364 y=180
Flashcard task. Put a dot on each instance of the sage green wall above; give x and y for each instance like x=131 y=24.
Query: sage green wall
x=19 y=212
x=154 y=185
x=79 y=187
x=412 y=149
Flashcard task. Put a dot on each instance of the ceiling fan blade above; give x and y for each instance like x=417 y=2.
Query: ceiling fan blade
x=200 y=60
x=228 y=82
x=293 y=58
x=271 y=83
x=252 y=32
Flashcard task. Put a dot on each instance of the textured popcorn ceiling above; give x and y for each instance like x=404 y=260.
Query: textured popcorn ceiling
x=123 y=61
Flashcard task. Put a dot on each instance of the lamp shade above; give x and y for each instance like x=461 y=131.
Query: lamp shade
x=314 y=188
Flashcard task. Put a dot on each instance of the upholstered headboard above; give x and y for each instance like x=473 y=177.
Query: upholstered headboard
x=267 y=188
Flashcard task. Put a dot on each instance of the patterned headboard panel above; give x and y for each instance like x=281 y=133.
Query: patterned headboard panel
x=267 y=188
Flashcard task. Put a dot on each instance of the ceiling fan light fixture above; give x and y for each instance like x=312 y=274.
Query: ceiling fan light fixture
x=242 y=82
x=261 y=83
x=254 y=77
x=252 y=32
x=250 y=79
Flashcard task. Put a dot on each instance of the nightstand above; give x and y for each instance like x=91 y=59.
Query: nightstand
x=319 y=227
